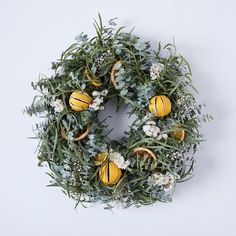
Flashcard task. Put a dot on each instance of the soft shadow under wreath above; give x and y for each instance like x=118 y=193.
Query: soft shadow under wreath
x=158 y=149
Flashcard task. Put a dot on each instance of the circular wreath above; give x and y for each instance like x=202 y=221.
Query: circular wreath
x=157 y=152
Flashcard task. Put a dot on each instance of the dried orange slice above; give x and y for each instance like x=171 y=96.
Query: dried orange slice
x=76 y=138
x=178 y=134
x=92 y=78
x=144 y=151
x=113 y=71
x=101 y=158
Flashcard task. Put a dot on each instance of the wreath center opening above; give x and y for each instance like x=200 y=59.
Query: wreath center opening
x=118 y=122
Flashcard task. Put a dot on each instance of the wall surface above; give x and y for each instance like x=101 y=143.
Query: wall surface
x=33 y=33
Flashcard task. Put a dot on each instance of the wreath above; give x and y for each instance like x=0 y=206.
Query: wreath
x=158 y=150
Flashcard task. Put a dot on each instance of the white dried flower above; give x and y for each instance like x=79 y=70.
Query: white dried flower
x=186 y=107
x=162 y=136
x=155 y=70
x=98 y=99
x=96 y=93
x=57 y=105
x=103 y=57
x=165 y=136
x=164 y=181
x=96 y=103
x=104 y=92
x=119 y=160
x=151 y=122
x=151 y=129
x=181 y=155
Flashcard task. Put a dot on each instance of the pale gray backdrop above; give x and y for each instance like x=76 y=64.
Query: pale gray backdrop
x=33 y=33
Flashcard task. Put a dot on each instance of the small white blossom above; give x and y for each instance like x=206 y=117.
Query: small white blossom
x=98 y=99
x=186 y=107
x=162 y=136
x=151 y=122
x=96 y=93
x=165 y=136
x=181 y=155
x=57 y=105
x=104 y=92
x=155 y=70
x=151 y=129
x=96 y=103
x=119 y=160
x=103 y=57
x=164 y=181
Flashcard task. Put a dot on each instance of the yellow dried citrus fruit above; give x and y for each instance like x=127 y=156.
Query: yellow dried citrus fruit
x=100 y=158
x=178 y=134
x=92 y=78
x=160 y=105
x=80 y=101
x=109 y=173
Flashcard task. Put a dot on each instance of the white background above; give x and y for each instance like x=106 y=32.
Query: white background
x=33 y=33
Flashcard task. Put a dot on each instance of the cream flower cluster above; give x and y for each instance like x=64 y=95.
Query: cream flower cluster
x=164 y=181
x=98 y=99
x=153 y=131
x=119 y=160
x=155 y=70
x=57 y=105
